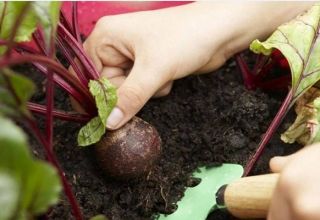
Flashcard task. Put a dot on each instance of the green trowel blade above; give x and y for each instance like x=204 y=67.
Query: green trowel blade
x=198 y=201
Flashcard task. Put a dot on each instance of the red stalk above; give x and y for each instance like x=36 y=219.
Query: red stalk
x=75 y=25
x=52 y=159
x=82 y=77
x=64 y=21
x=50 y=96
x=22 y=48
x=85 y=104
x=59 y=114
x=269 y=133
x=58 y=80
x=66 y=37
x=261 y=61
x=246 y=73
x=38 y=39
x=57 y=68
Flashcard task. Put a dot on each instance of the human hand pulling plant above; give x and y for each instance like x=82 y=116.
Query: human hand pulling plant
x=143 y=53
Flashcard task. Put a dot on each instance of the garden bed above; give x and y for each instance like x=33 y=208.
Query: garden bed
x=205 y=120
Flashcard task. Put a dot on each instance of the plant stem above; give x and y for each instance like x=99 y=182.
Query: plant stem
x=86 y=105
x=66 y=37
x=38 y=39
x=269 y=133
x=261 y=61
x=75 y=24
x=80 y=73
x=64 y=21
x=247 y=75
x=21 y=48
x=59 y=69
x=51 y=158
x=63 y=115
x=50 y=97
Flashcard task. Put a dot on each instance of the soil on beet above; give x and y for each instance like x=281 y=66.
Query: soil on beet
x=205 y=121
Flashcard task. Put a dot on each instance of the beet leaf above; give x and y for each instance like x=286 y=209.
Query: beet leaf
x=14 y=104
x=34 y=185
x=298 y=40
x=306 y=128
x=47 y=13
x=10 y=11
x=105 y=97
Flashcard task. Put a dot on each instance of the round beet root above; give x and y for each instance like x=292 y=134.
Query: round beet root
x=130 y=151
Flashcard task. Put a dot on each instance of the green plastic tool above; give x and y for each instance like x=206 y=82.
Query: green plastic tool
x=200 y=200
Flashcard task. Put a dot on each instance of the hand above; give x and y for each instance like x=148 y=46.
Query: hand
x=297 y=195
x=142 y=53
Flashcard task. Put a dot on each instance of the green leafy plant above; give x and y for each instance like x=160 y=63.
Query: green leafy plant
x=28 y=187
x=50 y=31
x=305 y=129
x=298 y=40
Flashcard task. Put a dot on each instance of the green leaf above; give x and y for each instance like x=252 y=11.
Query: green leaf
x=299 y=42
x=9 y=195
x=105 y=96
x=48 y=14
x=91 y=133
x=38 y=183
x=10 y=12
x=45 y=13
x=44 y=186
x=306 y=128
x=10 y=103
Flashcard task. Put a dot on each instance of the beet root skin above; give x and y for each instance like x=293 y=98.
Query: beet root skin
x=130 y=151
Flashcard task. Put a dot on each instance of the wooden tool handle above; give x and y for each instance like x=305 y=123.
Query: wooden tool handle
x=250 y=197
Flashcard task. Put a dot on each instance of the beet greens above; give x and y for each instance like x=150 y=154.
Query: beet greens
x=39 y=22
x=298 y=40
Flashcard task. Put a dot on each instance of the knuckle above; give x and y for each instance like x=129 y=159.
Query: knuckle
x=165 y=91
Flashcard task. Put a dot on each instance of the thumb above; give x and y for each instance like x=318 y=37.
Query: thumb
x=135 y=91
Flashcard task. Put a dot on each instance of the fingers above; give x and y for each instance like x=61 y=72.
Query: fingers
x=133 y=93
x=277 y=163
x=296 y=196
x=164 y=90
x=117 y=76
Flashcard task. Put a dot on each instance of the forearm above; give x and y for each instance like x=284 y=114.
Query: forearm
x=257 y=20
x=237 y=24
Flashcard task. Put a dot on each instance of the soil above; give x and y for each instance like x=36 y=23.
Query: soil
x=205 y=121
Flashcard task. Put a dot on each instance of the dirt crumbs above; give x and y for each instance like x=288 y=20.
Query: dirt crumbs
x=205 y=121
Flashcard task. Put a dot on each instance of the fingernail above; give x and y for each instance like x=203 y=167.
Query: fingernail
x=114 y=118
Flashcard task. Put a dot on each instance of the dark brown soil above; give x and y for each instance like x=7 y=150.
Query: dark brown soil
x=206 y=120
